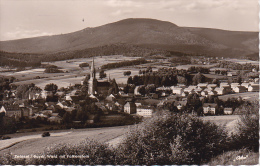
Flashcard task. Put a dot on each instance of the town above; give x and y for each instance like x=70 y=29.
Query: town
x=207 y=87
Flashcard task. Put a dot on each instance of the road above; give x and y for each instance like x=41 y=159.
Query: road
x=33 y=144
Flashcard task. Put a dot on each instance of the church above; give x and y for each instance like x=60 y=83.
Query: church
x=96 y=87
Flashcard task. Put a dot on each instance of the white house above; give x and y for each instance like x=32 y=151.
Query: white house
x=202 y=85
x=220 y=91
x=228 y=111
x=176 y=90
x=253 y=88
x=223 y=84
x=233 y=85
x=245 y=84
x=204 y=93
x=198 y=90
x=145 y=111
x=209 y=108
x=212 y=86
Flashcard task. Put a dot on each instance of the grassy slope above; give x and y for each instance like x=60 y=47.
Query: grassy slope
x=232 y=158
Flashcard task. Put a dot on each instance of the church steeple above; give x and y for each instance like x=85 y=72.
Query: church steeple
x=93 y=70
x=92 y=82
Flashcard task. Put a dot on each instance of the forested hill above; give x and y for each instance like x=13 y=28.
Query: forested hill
x=145 y=33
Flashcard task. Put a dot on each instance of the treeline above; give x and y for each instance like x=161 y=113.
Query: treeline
x=181 y=60
x=114 y=49
x=195 y=69
x=124 y=63
x=237 y=66
x=162 y=77
x=19 y=60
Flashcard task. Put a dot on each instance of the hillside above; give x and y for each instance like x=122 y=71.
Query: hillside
x=148 y=33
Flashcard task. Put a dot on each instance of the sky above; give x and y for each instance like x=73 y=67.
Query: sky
x=31 y=18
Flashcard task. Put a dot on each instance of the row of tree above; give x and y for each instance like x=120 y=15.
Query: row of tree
x=124 y=63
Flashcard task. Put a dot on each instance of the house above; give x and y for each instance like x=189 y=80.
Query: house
x=64 y=104
x=111 y=97
x=177 y=90
x=230 y=74
x=202 y=85
x=180 y=104
x=223 y=84
x=233 y=85
x=212 y=93
x=204 y=93
x=239 y=89
x=212 y=86
x=68 y=98
x=12 y=111
x=220 y=91
x=55 y=118
x=209 y=108
x=181 y=85
x=253 y=88
x=25 y=112
x=130 y=108
x=145 y=111
x=136 y=91
x=198 y=90
x=245 y=84
x=228 y=111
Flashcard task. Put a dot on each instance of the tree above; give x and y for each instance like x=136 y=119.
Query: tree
x=83 y=65
x=127 y=73
x=102 y=74
x=247 y=135
x=130 y=80
x=141 y=90
x=67 y=118
x=51 y=88
x=198 y=78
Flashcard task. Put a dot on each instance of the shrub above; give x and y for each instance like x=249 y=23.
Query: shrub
x=171 y=139
x=247 y=135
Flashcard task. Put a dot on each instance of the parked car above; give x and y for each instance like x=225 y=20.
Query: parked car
x=2 y=137
x=45 y=134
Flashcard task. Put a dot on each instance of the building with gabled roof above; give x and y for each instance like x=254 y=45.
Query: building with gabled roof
x=209 y=108
x=253 y=88
x=11 y=110
x=130 y=108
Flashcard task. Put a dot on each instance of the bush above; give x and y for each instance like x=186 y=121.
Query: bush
x=247 y=135
x=171 y=139
x=84 y=64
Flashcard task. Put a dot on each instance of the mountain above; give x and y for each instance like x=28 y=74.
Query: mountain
x=147 y=33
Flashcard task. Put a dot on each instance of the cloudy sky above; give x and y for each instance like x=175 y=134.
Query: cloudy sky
x=29 y=18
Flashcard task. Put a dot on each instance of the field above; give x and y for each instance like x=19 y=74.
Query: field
x=243 y=61
x=249 y=96
x=186 y=67
x=229 y=121
x=76 y=74
x=32 y=144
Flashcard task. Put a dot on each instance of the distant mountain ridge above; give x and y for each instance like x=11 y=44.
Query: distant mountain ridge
x=148 y=33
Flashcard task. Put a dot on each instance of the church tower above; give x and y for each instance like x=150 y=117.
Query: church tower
x=92 y=83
